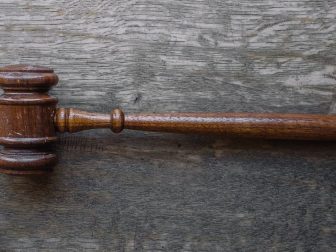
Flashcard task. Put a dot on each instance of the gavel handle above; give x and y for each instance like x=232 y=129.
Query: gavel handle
x=252 y=125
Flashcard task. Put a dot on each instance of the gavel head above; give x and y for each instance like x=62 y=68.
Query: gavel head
x=27 y=112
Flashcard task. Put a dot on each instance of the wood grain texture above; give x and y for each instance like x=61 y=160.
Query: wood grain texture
x=154 y=192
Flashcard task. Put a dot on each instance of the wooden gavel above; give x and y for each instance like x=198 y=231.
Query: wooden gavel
x=30 y=120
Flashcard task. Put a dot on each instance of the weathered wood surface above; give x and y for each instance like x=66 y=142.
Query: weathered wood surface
x=165 y=192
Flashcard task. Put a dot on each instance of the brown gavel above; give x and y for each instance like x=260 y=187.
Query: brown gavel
x=30 y=120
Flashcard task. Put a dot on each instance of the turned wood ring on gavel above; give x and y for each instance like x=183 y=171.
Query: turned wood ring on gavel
x=30 y=120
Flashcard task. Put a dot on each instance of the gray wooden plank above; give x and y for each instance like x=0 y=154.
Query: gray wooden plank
x=166 y=192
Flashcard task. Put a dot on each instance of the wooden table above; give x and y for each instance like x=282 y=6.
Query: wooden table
x=166 y=192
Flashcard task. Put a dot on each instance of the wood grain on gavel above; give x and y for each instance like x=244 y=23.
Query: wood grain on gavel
x=30 y=120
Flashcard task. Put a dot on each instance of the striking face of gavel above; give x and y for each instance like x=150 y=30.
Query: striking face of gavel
x=30 y=120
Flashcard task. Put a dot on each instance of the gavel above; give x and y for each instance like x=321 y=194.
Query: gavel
x=29 y=120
